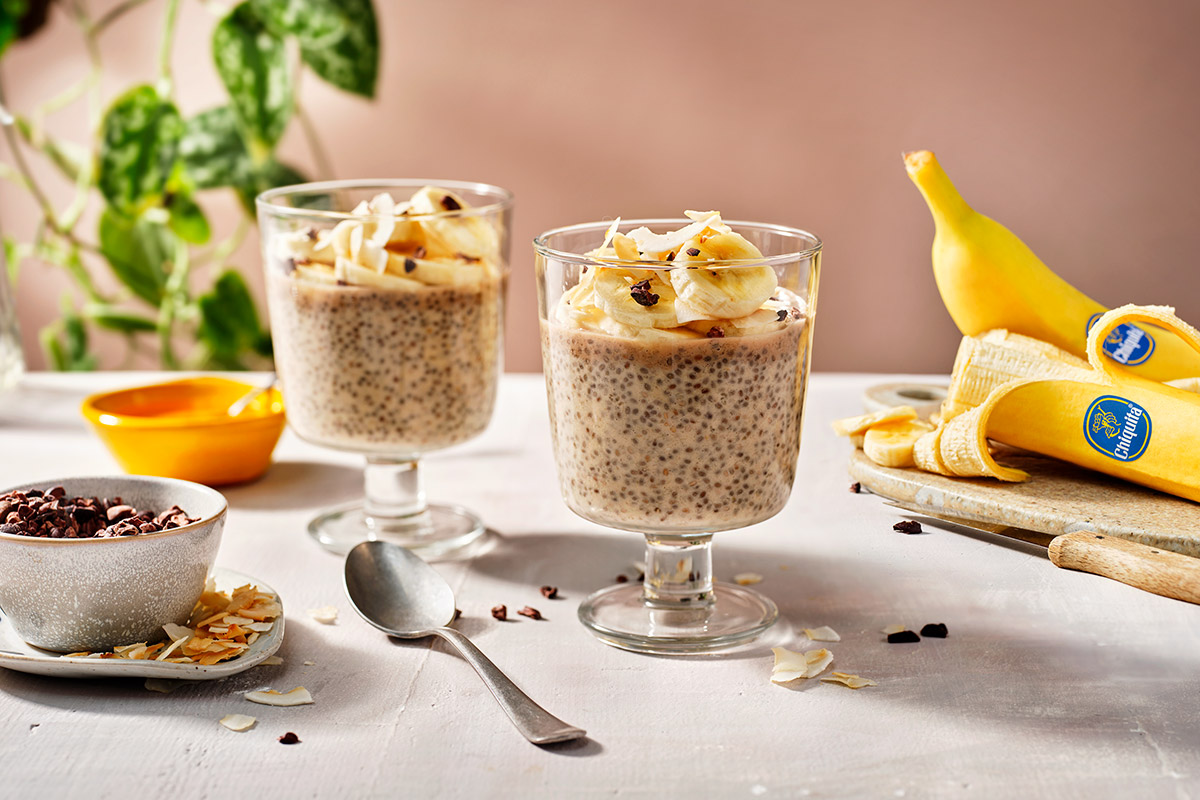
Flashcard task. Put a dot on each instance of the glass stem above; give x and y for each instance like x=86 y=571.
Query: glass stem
x=394 y=489
x=678 y=572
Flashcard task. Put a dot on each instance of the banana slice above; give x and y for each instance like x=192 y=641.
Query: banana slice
x=435 y=273
x=720 y=247
x=726 y=293
x=852 y=425
x=316 y=274
x=634 y=297
x=447 y=236
x=890 y=444
x=346 y=270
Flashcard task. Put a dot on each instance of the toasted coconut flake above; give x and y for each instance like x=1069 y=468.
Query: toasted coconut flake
x=747 y=578
x=238 y=722
x=846 y=679
x=822 y=634
x=790 y=665
x=269 y=697
x=326 y=615
x=310 y=663
x=894 y=629
x=176 y=632
x=233 y=619
x=271 y=661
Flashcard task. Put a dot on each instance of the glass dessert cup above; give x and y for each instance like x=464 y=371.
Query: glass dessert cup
x=387 y=319
x=675 y=433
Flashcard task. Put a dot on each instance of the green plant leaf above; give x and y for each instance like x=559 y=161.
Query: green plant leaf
x=118 y=319
x=138 y=252
x=187 y=219
x=139 y=143
x=66 y=343
x=20 y=19
x=212 y=149
x=229 y=322
x=14 y=253
x=339 y=39
x=252 y=63
x=271 y=174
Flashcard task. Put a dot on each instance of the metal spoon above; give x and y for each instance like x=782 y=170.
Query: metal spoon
x=400 y=594
x=244 y=401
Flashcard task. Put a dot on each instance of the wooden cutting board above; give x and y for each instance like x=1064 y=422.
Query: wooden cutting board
x=1058 y=498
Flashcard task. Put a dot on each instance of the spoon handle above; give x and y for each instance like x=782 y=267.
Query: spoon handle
x=536 y=723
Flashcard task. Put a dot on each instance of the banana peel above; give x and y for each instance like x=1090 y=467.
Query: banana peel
x=1116 y=421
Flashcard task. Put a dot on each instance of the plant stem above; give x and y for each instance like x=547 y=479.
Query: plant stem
x=114 y=14
x=320 y=155
x=164 y=52
x=174 y=296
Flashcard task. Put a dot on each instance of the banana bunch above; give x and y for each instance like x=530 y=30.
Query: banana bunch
x=683 y=297
x=1100 y=415
x=420 y=242
x=989 y=279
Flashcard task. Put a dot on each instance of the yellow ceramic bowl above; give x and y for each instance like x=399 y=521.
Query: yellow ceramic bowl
x=180 y=429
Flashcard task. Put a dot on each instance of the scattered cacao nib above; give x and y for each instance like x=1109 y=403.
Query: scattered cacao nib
x=796 y=313
x=908 y=526
x=289 y=266
x=782 y=314
x=54 y=515
x=289 y=738
x=716 y=332
x=500 y=612
x=342 y=282
x=935 y=630
x=856 y=487
x=457 y=614
x=641 y=294
x=450 y=204
x=419 y=252
x=583 y=271
x=693 y=251
x=550 y=592
x=671 y=256
x=903 y=637
x=311 y=233
x=531 y=612
x=641 y=578
x=410 y=265
x=622 y=579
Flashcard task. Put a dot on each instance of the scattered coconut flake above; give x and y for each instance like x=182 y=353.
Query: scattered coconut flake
x=822 y=634
x=296 y=697
x=326 y=615
x=238 y=722
x=894 y=629
x=650 y=242
x=271 y=661
x=611 y=232
x=846 y=679
x=310 y=663
x=163 y=685
x=747 y=578
x=175 y=632
x=790 y=665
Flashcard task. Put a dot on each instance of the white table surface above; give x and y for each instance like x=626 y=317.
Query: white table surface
x=1051 y=683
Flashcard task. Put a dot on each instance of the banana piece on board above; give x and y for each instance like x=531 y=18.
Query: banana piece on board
x=850 y=426
x=890 y=444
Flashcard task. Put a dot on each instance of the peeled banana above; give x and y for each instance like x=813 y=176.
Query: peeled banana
x=989 y=279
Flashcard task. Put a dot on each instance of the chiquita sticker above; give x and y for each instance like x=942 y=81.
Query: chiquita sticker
x=1126 y=344
x=1117 y=427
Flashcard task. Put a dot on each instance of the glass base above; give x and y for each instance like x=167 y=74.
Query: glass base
x=439 y=531
x=620 y=616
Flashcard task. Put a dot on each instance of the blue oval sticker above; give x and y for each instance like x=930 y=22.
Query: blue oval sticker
x=1117 y=427
x=1126 y=344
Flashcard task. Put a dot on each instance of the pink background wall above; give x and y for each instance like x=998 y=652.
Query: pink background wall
x=1074 y=123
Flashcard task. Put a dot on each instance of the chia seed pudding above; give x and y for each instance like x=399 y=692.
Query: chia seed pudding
x=391 y=371
x=388 y=327
x=675 y=370
x=694 y=435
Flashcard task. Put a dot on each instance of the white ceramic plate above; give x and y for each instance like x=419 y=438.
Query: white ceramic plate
x=17 y=655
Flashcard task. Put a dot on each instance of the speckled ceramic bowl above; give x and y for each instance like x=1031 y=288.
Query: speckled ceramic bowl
x=69 y=595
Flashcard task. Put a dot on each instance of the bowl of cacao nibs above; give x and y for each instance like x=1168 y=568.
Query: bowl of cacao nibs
x=90 y=563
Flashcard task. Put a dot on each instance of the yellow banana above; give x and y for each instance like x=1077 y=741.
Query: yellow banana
x=989 y=279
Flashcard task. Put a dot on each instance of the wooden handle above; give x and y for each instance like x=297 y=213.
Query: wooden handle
x=1150 y=568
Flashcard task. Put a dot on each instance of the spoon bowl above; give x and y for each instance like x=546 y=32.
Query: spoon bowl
x=398 y=593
